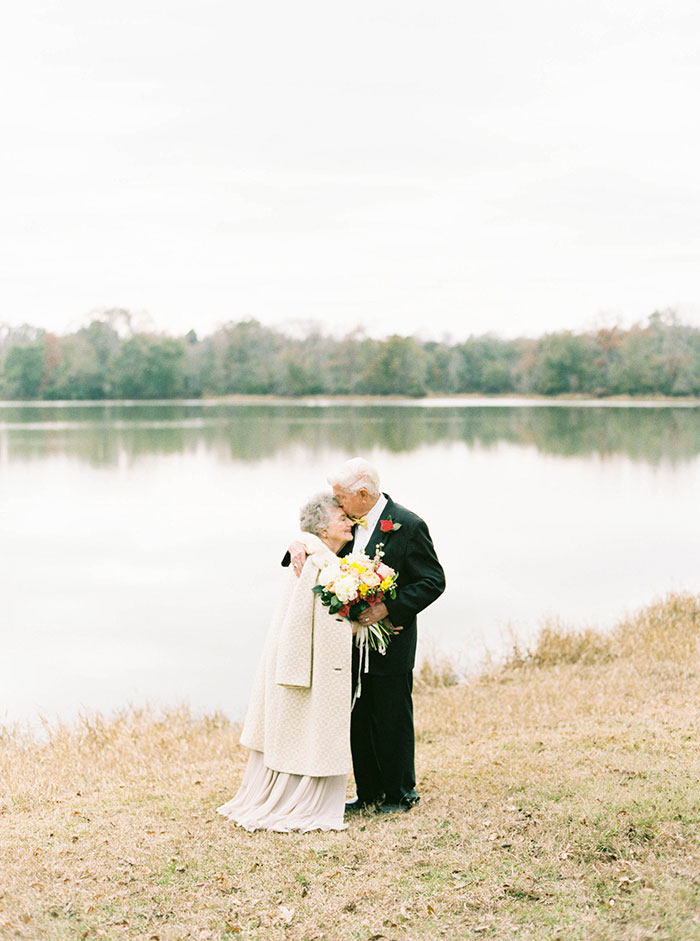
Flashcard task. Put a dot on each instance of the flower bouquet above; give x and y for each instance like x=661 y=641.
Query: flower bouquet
x=357 y=582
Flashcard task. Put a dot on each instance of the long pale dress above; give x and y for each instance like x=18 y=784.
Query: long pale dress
x=298 y=722
x=274 y=800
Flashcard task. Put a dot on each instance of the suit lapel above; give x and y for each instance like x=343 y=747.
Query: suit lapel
x=377 y=534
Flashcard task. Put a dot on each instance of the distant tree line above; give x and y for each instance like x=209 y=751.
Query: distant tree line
x=107 y=360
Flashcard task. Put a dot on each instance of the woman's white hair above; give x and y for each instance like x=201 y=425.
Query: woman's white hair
x=356 y=474
x=315 y=514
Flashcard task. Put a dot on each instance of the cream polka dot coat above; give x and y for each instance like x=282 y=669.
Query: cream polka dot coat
x=299 y=712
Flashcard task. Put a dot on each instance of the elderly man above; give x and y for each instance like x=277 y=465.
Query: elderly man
x=382 y=736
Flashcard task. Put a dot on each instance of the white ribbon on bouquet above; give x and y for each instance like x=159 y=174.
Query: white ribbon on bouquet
x=363 y=645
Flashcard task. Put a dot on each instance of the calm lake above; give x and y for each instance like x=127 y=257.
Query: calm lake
x=140 y=543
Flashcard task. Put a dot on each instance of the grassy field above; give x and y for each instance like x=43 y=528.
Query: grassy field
x=560 y=799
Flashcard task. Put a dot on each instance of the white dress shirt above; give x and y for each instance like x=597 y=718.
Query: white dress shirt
x=362 y=535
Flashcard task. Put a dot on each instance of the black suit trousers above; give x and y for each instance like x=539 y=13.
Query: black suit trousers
x=382 y=738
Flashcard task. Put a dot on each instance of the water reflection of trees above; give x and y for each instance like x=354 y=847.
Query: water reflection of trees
x=106 y=434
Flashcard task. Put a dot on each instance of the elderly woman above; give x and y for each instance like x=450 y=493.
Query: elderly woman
x=298 y=722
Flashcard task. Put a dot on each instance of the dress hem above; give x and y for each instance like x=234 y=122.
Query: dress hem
x=286 y=803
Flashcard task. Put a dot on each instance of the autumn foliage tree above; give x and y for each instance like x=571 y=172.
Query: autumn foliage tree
x=108 y=358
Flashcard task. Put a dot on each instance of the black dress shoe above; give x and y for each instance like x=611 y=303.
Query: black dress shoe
x=401 y=807
x=354 y=807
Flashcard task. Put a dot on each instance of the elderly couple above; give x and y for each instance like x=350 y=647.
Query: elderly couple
x=300 y=727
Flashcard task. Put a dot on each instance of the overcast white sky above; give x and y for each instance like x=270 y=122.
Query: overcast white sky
x=450 y=167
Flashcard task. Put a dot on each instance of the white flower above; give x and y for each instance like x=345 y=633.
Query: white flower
x=346 y=587
x=327 y=574
x=358 y=558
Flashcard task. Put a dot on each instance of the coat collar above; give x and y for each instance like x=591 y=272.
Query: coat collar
x=319 y=553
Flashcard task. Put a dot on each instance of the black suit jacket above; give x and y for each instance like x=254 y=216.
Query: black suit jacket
x=421 y=580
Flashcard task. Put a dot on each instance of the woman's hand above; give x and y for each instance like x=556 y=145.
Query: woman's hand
x=355 y=627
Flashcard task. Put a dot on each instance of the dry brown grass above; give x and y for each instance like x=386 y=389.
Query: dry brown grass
x=560 y=799
x=667 y=630
x=435 y=671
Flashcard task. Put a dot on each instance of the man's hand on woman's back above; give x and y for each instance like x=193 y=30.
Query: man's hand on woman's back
x=297 y=554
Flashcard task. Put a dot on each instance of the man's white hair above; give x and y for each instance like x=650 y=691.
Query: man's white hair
x=356 y=474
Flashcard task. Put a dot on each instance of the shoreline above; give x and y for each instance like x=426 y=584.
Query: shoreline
x=435 y=668
x=456 y=400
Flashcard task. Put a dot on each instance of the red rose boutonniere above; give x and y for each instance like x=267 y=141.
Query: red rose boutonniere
x=388 y=525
